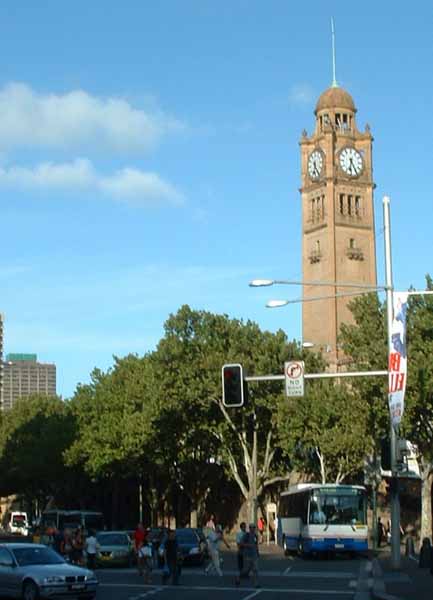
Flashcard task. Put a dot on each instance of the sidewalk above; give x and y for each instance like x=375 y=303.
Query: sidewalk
x=411 y=583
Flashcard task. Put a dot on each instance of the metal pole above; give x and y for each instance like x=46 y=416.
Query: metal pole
x=395 y=498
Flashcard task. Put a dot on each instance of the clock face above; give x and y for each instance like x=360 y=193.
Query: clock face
x=351 y=162
x=315 y=164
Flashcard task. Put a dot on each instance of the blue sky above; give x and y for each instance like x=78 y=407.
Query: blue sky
x=149 y=158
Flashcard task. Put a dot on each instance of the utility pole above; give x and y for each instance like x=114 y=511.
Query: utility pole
x=395 y=497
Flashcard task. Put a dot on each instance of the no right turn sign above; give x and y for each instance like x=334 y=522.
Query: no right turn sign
x=294 y=373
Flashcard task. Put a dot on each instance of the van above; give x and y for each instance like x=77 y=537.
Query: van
x=17 y=523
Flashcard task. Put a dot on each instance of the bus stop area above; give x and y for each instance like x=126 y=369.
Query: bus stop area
x=411 y=582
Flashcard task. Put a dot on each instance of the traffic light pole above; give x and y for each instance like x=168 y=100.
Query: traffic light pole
x=394 y=488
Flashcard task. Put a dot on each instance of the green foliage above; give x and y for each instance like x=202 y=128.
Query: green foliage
x=418 y=418
x=366 y=344
x=33 y=436
x=114 y=415
x=324 y=432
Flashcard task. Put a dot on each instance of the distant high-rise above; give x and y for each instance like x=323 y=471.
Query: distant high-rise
x=23 y=376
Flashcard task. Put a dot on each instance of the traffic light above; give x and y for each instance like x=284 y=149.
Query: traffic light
x=233 y=385
x=385 y=454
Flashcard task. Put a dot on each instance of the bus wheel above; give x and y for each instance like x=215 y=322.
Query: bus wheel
x=301 y=549
x=286 y=550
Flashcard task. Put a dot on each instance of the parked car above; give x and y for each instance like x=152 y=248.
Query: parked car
x=192 y=548
x=114 y=549
x=33 y=571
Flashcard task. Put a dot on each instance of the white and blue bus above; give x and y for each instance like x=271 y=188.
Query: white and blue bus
x=314 y=518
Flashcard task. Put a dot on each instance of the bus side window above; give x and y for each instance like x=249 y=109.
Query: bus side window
x=305 y=502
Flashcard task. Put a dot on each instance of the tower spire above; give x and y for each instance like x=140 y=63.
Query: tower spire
x=334 y=80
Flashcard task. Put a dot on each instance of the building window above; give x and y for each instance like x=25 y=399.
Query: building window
x=349 y=204
x=358 y=206
x=341 y=204
x=352 y=243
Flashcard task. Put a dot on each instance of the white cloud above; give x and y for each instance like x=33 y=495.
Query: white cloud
x=301 y=93
x=77 y=120
x=128 y=184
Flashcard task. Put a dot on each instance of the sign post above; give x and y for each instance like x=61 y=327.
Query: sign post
x=294 y=375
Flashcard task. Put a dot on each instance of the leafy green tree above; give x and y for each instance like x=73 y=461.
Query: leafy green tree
x=366 y=343
x=325 y=431
x=417 y=423
x=195 y=346
x=33 y=436
x=114 y=416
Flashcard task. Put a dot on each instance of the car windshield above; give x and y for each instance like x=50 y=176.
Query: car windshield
x=38 y=555
x=112 y=539
x=18 y=520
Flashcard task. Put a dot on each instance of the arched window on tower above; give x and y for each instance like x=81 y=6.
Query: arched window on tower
x=349 y=204
x=341 y=204
x=358 y=206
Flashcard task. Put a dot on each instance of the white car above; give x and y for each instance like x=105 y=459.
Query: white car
x=33 y=571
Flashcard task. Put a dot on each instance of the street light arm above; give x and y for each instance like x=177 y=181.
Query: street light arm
x=269 y=282
x=278 y=303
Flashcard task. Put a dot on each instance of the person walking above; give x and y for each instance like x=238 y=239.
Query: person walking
x=251 y=556
x=91 y=545
x=139 y=540
x=214 y=540
x=240 y=546
x=381 y=533
x=171 y=559
x=261 y=528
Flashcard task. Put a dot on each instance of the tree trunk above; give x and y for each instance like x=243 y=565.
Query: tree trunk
x=426 y=504
x=193 y=518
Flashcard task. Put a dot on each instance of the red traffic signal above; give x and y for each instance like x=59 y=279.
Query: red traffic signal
x=233 y=385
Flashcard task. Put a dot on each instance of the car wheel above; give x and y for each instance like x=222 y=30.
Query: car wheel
x=30 y=591
x=285 y=548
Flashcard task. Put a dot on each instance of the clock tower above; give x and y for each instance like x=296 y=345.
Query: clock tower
x=338 y=234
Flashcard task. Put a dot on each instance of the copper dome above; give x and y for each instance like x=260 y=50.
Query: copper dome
x=335 y=97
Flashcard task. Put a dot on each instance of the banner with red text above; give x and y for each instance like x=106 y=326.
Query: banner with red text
x=397 y=366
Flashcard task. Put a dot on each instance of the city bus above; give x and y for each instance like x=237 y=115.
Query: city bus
x=72 y=519
x=315 y=518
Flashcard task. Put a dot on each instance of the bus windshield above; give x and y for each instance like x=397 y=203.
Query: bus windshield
x=334 y=506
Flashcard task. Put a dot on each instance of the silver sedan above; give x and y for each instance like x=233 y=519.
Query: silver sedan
x=32 y=571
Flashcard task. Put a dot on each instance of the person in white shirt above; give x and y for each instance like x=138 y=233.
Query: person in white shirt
x=213 y=541
x=92 y=546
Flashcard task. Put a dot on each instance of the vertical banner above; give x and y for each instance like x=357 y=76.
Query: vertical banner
x=397 y=367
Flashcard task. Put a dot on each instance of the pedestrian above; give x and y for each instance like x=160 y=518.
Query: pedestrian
x=211 y=523
x=214 y=540
x=67 y=545
x=261 y=528
x=251 y=556
x=139 y=538
x=240 y=545
x=145 y=556
x=91 y=545
x=58 y=540
x=77 y=547
x=171 y=559
x=380 y=532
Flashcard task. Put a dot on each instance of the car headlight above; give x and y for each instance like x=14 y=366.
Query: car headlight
x=54 y=579
x=194 y=550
